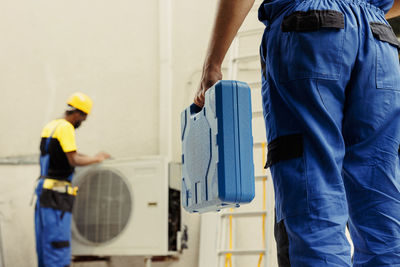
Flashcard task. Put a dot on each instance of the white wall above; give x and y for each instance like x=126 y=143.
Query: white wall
x=16 y=215
x=108 y=49
x=192 y=22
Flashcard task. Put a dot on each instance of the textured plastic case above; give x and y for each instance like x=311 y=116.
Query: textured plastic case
x=217 y=149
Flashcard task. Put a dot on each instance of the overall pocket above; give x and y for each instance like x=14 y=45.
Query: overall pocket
x=311 y=45
x=387 y=57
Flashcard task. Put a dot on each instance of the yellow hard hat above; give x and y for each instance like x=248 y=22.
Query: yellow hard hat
x=80 y=101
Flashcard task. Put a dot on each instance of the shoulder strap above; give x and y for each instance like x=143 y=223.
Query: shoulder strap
x=46 y=147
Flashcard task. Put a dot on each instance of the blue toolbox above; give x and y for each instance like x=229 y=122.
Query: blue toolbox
x=217 y=149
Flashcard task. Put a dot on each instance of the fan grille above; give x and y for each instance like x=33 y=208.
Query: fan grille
x=103 y=206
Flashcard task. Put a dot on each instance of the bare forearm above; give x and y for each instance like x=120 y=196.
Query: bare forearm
x=229 y=18
x=78 y=159
x=394 y=11
x=84 y=160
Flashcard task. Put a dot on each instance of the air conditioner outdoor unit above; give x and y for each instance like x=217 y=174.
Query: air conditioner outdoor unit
x=125 y=207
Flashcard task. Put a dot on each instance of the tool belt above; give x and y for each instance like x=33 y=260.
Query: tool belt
x=60 y=186
x=57 y=194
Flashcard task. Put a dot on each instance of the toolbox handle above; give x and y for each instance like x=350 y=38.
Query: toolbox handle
x=194 y=109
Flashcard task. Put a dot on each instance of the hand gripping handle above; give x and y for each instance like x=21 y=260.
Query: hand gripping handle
x=195 y=109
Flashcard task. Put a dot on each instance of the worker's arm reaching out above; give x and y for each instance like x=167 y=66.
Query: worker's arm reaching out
x=78 y=159
x=394 y=11
x=229 y=18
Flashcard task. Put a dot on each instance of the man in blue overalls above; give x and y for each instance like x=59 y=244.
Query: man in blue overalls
x=331 y=99
x=55 y=195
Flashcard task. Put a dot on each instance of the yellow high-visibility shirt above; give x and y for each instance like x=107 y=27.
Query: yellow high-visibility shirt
x=62 y=141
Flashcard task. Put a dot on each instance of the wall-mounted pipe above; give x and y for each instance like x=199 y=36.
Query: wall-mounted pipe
x=20 y=160
x=165 y=51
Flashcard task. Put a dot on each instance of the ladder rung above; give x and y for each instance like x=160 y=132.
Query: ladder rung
x=258 y=114
x=259 y=144
x=247 y=58
x=247 y=69
x=253 y=85
x=242 y=251
x=260 y=177
x=244 y=213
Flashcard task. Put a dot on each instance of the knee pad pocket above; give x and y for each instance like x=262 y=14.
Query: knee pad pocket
x=60 y=244
x=287 y=164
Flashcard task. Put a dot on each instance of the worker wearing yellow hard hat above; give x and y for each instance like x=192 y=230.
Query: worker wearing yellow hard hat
x=81 y=102
x=58 y=158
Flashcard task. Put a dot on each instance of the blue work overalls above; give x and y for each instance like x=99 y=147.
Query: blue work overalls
x=331 y=99
x=52 y=221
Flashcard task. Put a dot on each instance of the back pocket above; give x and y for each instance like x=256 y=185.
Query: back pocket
x=312 y=45
x=387 y=57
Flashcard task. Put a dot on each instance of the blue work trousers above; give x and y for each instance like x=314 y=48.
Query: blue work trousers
x=53 y=233
x=331 y=98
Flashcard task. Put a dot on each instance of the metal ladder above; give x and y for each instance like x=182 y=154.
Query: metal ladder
x=226 y=220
